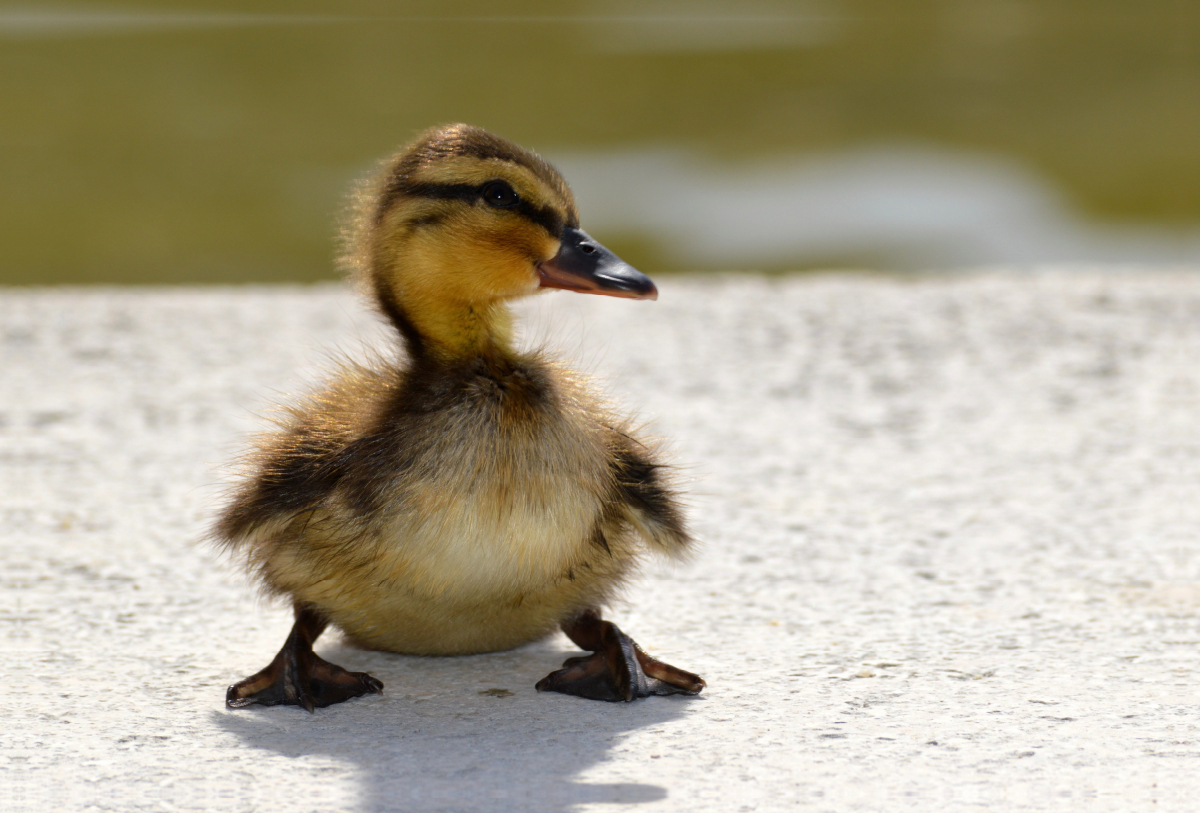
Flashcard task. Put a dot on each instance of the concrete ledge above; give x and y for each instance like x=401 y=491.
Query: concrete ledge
x=950 y=558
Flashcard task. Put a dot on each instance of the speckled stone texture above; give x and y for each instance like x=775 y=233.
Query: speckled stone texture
x=949 y=558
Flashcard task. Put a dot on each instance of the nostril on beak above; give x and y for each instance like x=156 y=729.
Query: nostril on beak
x=587 y=248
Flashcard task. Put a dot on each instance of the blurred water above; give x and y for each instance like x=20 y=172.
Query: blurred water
x=151 y=142
x=900 y=207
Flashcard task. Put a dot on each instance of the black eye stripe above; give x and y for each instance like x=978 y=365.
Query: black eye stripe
x=443 y=191
x=544 y=216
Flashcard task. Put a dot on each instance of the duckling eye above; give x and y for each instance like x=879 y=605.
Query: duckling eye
x=498 y=193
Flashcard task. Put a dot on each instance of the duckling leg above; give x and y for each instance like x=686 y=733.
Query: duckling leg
x=298 y=676
x=617 y=670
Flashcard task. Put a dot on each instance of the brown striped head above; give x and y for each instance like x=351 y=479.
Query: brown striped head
x=461 y=220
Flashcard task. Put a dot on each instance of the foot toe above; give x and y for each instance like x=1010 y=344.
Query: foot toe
x=310 y=683
x=619 y=671
x=587 y=676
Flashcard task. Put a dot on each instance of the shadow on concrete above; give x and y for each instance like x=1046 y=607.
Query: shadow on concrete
x=464 y=734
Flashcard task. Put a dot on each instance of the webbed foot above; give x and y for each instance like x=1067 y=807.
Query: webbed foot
x=299 y=677
x=618 y=670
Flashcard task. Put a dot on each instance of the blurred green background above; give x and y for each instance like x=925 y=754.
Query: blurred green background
x=148 y=142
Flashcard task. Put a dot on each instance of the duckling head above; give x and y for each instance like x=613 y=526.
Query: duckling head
x=461 y=221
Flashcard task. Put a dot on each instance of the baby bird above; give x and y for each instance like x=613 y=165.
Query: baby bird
x=468 y=497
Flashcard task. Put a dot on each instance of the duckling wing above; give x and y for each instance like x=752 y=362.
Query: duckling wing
x=646 y=497
x=316 y=447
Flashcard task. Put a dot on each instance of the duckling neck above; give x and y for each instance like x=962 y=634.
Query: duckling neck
x=450 y=331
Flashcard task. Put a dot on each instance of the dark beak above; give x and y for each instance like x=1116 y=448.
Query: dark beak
x=583 y=265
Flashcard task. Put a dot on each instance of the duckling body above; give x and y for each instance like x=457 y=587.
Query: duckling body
x=465 y=497
x=483 y=502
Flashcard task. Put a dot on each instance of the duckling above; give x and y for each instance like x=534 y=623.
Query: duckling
x=467 y=497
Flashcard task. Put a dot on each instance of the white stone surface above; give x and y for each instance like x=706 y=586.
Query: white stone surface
x=949 y=558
